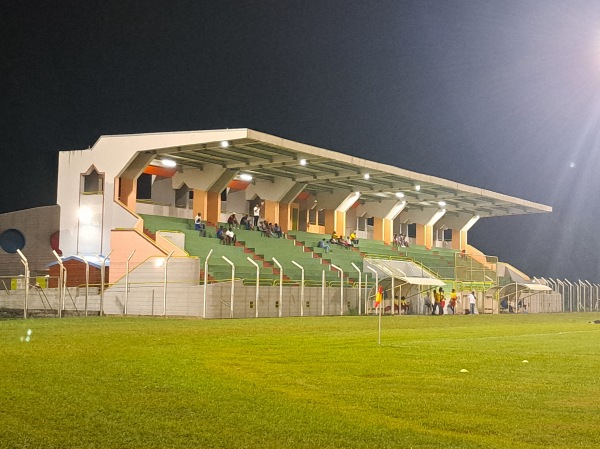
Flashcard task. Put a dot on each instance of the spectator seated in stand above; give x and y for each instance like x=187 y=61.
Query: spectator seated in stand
x=277 y=231
x=245 y=223
x=346 y=242
x=353 y=239
x=405 y=242
x=334 y=238
x=325 y=245
x=230 y=237
x=263 y=227
x=396 y=240
x=232 y=221
x=220 y=234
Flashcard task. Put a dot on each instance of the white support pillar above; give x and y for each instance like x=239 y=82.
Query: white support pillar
x=26 y=266
x=301 y=287
x=341 y=287
x=205 y=282
x=165 y=283
x=280 y=285
x=127 y=282
x=257 y=284
x=232 y=295
x=359 y=287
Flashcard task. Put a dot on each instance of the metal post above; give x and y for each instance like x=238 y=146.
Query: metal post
x=280 y=285
x=127 y=282
x=165 y=284
x=560 y=287
x=232 y=285
x=359 y=288
x=61 y=282
x=366 y=292
x=590 y=295
x=102 y=279
x=323 y=293
x=26 y=266
x=205 y=282
x=341 y=287
x=301 y=287
x=570 y=295
x=380 y=305
x=257 y=284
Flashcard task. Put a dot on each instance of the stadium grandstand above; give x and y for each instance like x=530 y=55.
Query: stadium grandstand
x=122 y=238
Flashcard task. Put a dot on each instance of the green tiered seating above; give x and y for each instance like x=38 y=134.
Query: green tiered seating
x=195 y=245
x=286 y=251
x=443 y=262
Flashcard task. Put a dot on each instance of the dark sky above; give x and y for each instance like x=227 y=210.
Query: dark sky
x=498 y=94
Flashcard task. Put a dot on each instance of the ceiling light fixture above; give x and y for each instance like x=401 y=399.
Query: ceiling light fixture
x=246 y=177
x=168 y=163
x=224 y=144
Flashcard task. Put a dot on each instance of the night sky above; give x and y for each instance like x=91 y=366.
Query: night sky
x=498 y=94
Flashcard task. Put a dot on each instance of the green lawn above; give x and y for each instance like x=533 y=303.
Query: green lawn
x=301 y=382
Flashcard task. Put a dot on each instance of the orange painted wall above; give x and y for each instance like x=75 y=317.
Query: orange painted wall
x=340 y=223
x=213 y=207
x=377 y=228
x=270 y=211
x=122 y=242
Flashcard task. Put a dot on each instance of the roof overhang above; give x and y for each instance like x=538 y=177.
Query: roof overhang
x=404 y=270
x=267 y=158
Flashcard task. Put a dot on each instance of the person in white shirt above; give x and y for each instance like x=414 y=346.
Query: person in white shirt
x=472 y=301
x=256 y=215
x=229 y=237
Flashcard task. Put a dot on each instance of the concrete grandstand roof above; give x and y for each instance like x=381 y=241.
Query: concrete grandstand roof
x=268 y=157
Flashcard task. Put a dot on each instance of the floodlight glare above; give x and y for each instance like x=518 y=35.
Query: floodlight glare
x=246 y=177
x=168 y=163
x=417 y=187
x=442 y=204
x=85 y=215
x=303 y=162
x=399 y=195
x=366 y=176
x=224 y=144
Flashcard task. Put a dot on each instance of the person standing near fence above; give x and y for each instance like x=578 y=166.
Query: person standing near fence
x=472 y=301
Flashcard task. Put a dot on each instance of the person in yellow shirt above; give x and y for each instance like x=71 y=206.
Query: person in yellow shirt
x=453 y=298
x=436 y=301
x=353 y=239
x=404 y=305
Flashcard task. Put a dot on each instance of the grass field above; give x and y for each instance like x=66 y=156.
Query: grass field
x=323 y=382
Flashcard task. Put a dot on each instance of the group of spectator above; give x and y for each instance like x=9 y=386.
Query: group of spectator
x=270 y=229
x=345 y=242
x=438 y=302
x=227 y=236
x=400 y=240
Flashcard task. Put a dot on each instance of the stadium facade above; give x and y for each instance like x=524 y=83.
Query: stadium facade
x=126 y=207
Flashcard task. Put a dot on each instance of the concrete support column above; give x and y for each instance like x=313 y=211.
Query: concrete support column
x=285 y=216
x=421 y=237
x=387 y=230
x=460 y=231
x=377 y=228
x=270 y=211
x=329 y=221
x=213 y=207
x=200 y=203
x=340 y=222
x=128 y=192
